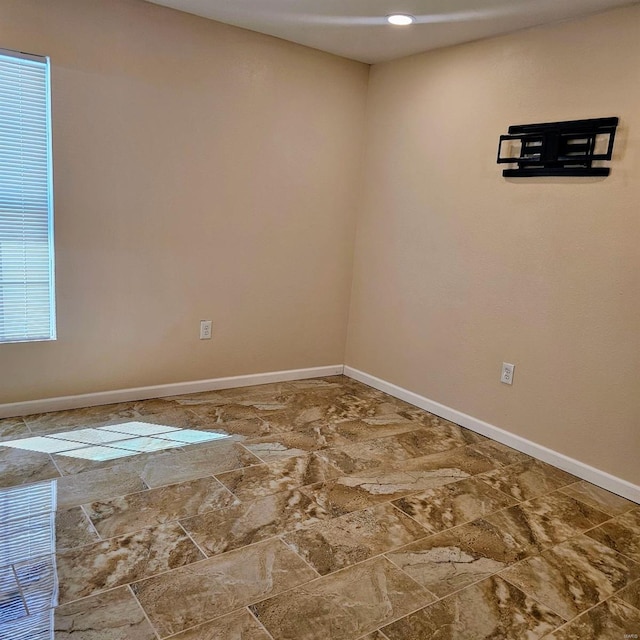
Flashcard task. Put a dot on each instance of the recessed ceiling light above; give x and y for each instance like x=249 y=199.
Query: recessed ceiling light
x=400 y=19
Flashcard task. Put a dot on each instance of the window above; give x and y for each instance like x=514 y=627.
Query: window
x=27 y=300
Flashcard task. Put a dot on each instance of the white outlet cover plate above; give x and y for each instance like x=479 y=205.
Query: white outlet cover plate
x=205 y=329
x=507 y=373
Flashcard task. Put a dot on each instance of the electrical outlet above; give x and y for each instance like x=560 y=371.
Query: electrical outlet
x=507 y=373
x=205 y=329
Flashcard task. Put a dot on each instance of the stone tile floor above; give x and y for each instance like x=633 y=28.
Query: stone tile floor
x=330 y=512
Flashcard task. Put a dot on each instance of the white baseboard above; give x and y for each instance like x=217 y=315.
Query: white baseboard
x=161 y=391
x=580 y=469
x=571 y=465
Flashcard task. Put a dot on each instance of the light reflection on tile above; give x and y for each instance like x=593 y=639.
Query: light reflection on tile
x=90 y=436
x=386 y=450
x=42 y=444
x=39 y=583
x=26 y=500
x=25 y=534
x=11 y=603
x=26 y=538
x=144 y=445
x=130 y=437
x=27 y=584
x=98 y=453
x=36 y=627
x=139 y=428
x=188 y=436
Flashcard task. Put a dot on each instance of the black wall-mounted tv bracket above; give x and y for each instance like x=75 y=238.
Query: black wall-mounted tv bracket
x=560 y=148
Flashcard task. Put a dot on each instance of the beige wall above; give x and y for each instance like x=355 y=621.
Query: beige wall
x=201 y=171
x=458 y=269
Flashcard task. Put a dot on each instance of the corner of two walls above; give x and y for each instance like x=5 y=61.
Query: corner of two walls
x=458 y=269
x=219 y=178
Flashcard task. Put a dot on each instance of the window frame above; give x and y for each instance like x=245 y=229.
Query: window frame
x=52 y=335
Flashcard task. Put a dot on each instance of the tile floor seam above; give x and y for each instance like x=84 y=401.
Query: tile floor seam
x=616 y=594
x=123 y=536
x=275 y=535
x=529 y=595
x=589 y=506
x=241 y=443
x=198 y=547
x=318 y=574
x=262 y=460
x=154 y=575
x=410 y=518
x=543 y=517
x=322 y=577
x=55 y=466
x=273 y=493
x=190 y=564
x=633 y=504
x=101 y=591
x=253 y=615
x=20 y=589
x=390 y=501
x=150 y=489
x=459 y=524
x=199 y=477
x=394 y=466
x=144 y=613
x=549 y=549
x=382 y=555
x=393 y=620
x=437 y=597
x=280 y=534
x=634 y=561
x=207 y=622
x=202 y=622
x=93 y=526
x=304 y=584
x=494 y=575
x=510 y=495
x=597 y=526
x=578 y=500
x=91 y=595
x=624 y=555
x=217 y=617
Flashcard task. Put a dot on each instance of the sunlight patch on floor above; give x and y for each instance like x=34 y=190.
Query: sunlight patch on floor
x=113 y=441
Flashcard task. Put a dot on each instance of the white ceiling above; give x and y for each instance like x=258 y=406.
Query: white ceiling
x=357 y=29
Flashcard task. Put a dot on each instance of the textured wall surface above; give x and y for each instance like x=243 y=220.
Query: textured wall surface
x=458 y=269
x=201 y=172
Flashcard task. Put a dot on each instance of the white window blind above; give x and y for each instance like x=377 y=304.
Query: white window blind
x=27 y=301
